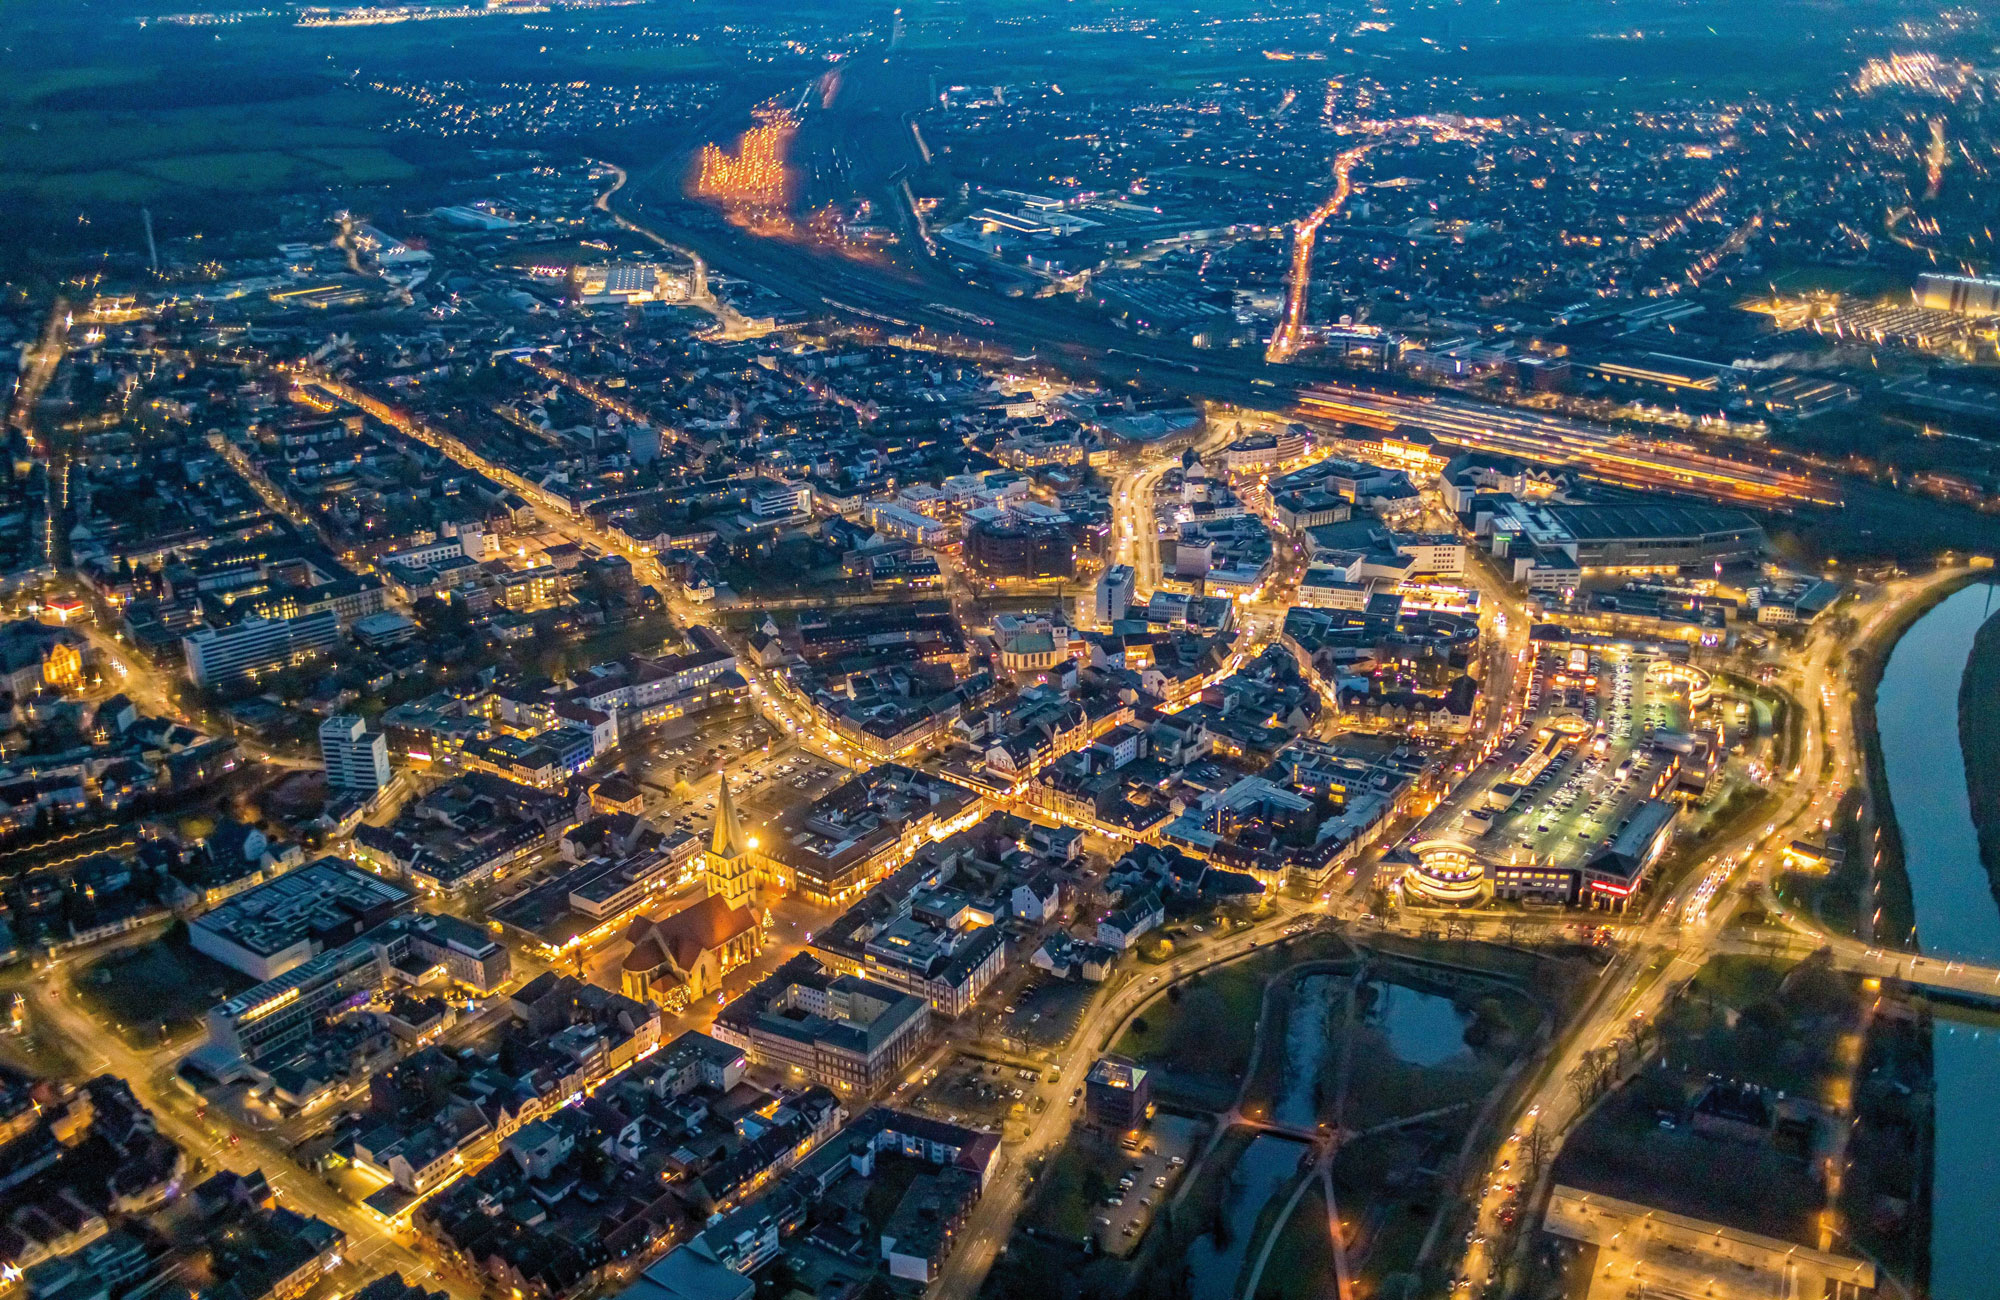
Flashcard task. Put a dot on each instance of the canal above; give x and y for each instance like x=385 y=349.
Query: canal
x=1916 y=711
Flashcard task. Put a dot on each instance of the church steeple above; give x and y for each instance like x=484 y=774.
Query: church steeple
x=727 y=864
x=727 y=841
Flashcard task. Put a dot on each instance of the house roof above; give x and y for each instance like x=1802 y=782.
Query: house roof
x=684 y=936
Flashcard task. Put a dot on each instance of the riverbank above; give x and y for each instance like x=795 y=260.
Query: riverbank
x=1936 y=848
x=1979 y=737
x=1896 y=925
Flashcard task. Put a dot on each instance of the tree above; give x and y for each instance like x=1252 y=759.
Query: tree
x=1535 y=1149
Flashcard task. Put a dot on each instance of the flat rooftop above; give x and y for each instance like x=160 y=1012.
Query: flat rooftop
x=1673 y=1255
x=1611 y=523
x=321 y=897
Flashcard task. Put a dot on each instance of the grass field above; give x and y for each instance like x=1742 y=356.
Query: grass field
x=1862 y=282
x=83 y=155
x=165 y=982
x=1301 y=1263
x=1073 y=1183
x=99 y=114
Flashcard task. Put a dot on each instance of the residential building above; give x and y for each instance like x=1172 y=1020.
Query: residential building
x=257 y=647
x=355 y=757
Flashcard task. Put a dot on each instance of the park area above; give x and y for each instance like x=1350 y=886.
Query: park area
x=1749 y=1089
x=1200 y=1034
x=1343 y=1077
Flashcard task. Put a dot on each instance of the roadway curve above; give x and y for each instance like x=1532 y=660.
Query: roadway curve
x=992 y=1220
x=149 y=1075
x=1683 y=923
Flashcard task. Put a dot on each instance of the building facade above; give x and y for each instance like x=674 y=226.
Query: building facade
x=355 y=757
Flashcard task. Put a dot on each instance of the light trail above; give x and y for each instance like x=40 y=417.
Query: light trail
x=1286 y=341
x=1603 y=454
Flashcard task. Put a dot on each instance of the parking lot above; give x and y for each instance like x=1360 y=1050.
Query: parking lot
x=766 y=774
x=1042 y=1014
x=983 y=1094
x=1579 y=801
x=1145 y=1181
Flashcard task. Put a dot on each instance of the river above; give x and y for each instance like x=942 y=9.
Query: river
x=1916 y=711
x=1308 y=1035
x=1266 y=1166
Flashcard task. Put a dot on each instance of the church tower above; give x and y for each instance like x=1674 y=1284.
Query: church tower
x=728 y=867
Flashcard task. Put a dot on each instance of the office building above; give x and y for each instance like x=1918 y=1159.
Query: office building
x=258 y=647
x=851 y=1034
x=275 y=1018
x=1114 y=593
x=1117 y=1093
x=355 y=757
x=265 y=1020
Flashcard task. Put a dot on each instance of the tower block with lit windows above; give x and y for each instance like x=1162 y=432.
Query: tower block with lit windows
x=729 y=870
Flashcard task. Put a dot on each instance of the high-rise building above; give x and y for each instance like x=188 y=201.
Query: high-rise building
x=1114 y=593
x=257 y=647
x=355 y=757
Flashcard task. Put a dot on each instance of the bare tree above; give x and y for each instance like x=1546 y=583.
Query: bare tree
x=1534 y=1152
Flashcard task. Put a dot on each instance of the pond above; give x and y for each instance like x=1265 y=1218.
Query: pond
x=1422 y=1028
